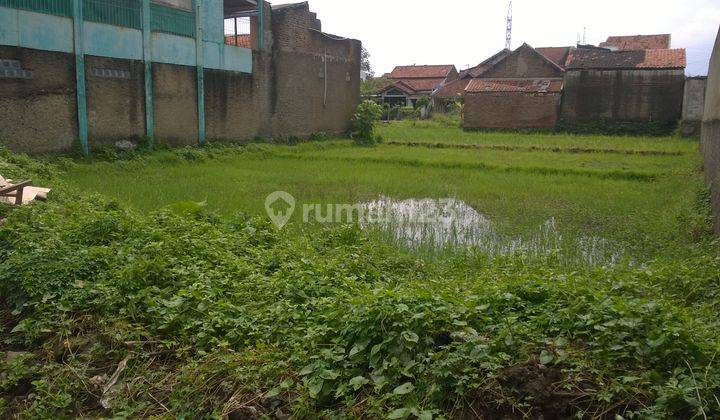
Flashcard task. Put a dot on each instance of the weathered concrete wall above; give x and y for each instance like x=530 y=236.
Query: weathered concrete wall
x=693 y=106
x=175 y=104
x=303 y=82
x=623 y=95
x=38 y=113
x=511 y=110
x=710 y=138
x=115 y=100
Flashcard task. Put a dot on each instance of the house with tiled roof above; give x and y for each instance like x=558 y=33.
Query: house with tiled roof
x=628 y=81
x=517 y=89
x=410 y=83
x=455 y=90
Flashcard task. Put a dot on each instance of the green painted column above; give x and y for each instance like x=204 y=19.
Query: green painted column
x=261 y=25
x=80 y=75
x=199 y=55
x=147 y=61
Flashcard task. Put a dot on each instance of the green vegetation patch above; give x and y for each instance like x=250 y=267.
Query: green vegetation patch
x=172 y=295
x=209 y=316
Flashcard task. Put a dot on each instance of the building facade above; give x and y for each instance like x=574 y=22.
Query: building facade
x=512 y=104
x=624 y=86
x=89 y=72
x=521 y=90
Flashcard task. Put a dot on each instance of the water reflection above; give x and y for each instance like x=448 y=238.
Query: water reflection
x=450 y=223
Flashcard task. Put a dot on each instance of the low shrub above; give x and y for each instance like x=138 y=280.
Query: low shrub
x=367 y=114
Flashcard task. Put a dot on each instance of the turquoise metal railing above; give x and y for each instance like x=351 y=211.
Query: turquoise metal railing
x=50 y=7
x=172 y=21
x=127 y=13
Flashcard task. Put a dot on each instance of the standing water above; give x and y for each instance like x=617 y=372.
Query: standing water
x=452 y=224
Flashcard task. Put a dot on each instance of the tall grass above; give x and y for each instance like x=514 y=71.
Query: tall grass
x=640 y=201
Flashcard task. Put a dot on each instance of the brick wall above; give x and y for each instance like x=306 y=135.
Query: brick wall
x=303 y=82
x=38 y=113
x=115 y=91
x=510 y=110
x=523 y=62
x=623 y=95
x=288 y=93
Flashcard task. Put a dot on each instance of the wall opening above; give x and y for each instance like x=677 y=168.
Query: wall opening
x=241 y=23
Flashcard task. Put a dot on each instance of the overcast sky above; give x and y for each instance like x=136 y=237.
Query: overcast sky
x=465 y=32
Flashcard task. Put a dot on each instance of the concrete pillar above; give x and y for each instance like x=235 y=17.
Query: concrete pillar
x=80 y=75
x=147 y=61
x=199 y=51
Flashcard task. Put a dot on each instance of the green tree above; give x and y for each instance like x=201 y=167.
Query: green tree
x=365 y=63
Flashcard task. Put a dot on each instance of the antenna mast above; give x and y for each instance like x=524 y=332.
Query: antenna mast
x=508 y=28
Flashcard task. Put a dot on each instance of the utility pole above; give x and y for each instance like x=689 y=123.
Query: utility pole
x=508 y=28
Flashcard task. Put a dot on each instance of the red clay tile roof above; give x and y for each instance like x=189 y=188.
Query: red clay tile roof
x=423 y=85
x=638 y=42
x=240 y=40
x=421 y=72
x=400 y=85
x=453 y=89
x=597 y=58
x=557 y=55
x=515 y=85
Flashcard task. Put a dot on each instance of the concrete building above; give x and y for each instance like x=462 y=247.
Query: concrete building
x=512 y=103
x=521 y=89
x=624 y=87
x=90 y=72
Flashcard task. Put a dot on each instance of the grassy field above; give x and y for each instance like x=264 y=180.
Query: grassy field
x=445 y=130
x=124 y=297
x=639 y=198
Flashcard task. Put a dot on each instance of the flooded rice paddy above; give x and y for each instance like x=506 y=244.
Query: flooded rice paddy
x=452 y=224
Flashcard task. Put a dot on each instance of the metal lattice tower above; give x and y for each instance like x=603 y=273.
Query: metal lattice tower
x=508 y=28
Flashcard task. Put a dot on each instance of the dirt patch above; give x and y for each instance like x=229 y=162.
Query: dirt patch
x=525 y=390
x=538 y=385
